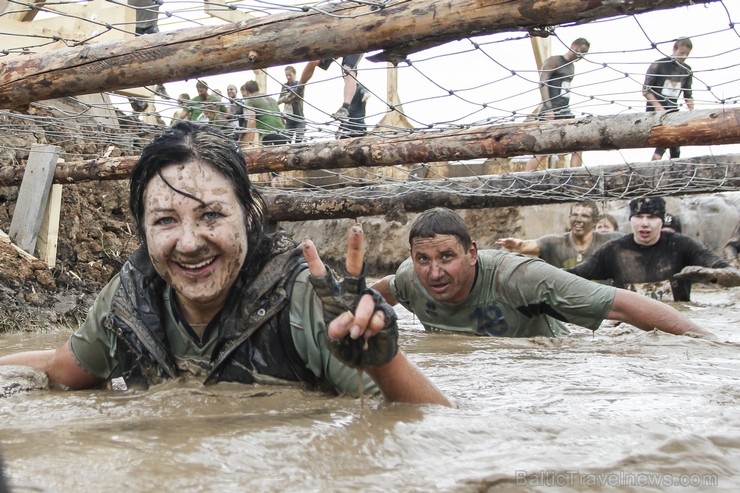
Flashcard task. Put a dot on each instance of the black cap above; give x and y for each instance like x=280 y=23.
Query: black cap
x=648 y=205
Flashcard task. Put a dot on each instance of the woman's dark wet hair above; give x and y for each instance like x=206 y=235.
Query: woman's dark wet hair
x=187 y=141
x=440 y=221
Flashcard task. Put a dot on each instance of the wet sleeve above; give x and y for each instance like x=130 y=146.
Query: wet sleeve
x=541 y=287
x=399 y=285
x=548 y=246
x=309 y=332
x=701 y=255
x=92 y=345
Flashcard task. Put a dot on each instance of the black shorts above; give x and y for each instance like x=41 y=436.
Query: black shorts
x=560 y=114
x=351 y=61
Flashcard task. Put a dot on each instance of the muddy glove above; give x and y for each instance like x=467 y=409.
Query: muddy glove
x=338 y=297
x=726 y=277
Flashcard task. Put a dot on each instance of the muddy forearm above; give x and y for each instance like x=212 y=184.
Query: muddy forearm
x=401 y=381
x=648 y=314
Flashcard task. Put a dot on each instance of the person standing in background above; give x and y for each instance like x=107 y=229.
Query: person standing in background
x=291 y=95
x=665 y=81
x=204 y=97
x=354 y=125
x=556 y=76
x=349 y=63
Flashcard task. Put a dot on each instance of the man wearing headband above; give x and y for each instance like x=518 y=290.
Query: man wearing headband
x=654 y=262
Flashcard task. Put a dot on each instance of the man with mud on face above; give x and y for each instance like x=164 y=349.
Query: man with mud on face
x=653 y=261
x=452 y=286
x=569 y=249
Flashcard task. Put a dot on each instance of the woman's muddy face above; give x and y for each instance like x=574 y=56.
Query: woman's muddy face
x=197 y=246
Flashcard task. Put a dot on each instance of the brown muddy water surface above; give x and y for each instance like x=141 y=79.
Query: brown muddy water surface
x=620 y=410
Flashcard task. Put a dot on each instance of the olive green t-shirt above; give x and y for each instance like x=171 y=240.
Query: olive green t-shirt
x=560 y=251
x=513 y=296
x=267 y=114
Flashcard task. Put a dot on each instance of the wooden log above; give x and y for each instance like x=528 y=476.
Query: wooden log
x=695 y=175
x=398 y=28
x=626 y=131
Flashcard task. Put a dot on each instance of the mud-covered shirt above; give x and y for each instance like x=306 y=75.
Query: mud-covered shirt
x=513 y=296
x=94 y=347
x=560 y=251
x=649 y=270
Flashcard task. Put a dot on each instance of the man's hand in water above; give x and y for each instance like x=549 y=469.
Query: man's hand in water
x=361 y=327
x=727 y=277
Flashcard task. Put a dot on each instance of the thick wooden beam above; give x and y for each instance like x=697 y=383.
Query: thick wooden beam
x=398 y=28
x=695 y=175
x=626 y=131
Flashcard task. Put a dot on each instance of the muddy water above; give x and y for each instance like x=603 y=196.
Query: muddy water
x=622 y=410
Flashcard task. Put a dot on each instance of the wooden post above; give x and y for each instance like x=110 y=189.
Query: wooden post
x=46 y=245
x=33 y=196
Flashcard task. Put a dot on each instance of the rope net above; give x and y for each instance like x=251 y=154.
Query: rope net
x=474 y=82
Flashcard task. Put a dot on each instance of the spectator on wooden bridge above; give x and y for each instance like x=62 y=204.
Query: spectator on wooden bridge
x=354 y=125
x=349 y=63
x=291 y=95
x=183 y=111
x=556 y=76
x=147 y=14
x=195 y=105
x=666 y=80
x=261 y=114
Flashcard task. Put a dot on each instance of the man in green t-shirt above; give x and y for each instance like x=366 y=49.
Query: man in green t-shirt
x=450 y=285
x=262 y=117
x=196 y=104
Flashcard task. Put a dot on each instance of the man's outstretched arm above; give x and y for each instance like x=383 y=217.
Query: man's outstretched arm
x=648 y=314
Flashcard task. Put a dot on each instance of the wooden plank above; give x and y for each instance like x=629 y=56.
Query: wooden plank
x=46 y=245
x=20 y=11
x=4 y=238
x=33 y=196
x=542 y=48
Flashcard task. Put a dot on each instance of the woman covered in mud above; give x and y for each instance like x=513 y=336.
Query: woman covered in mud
x=210 y=295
